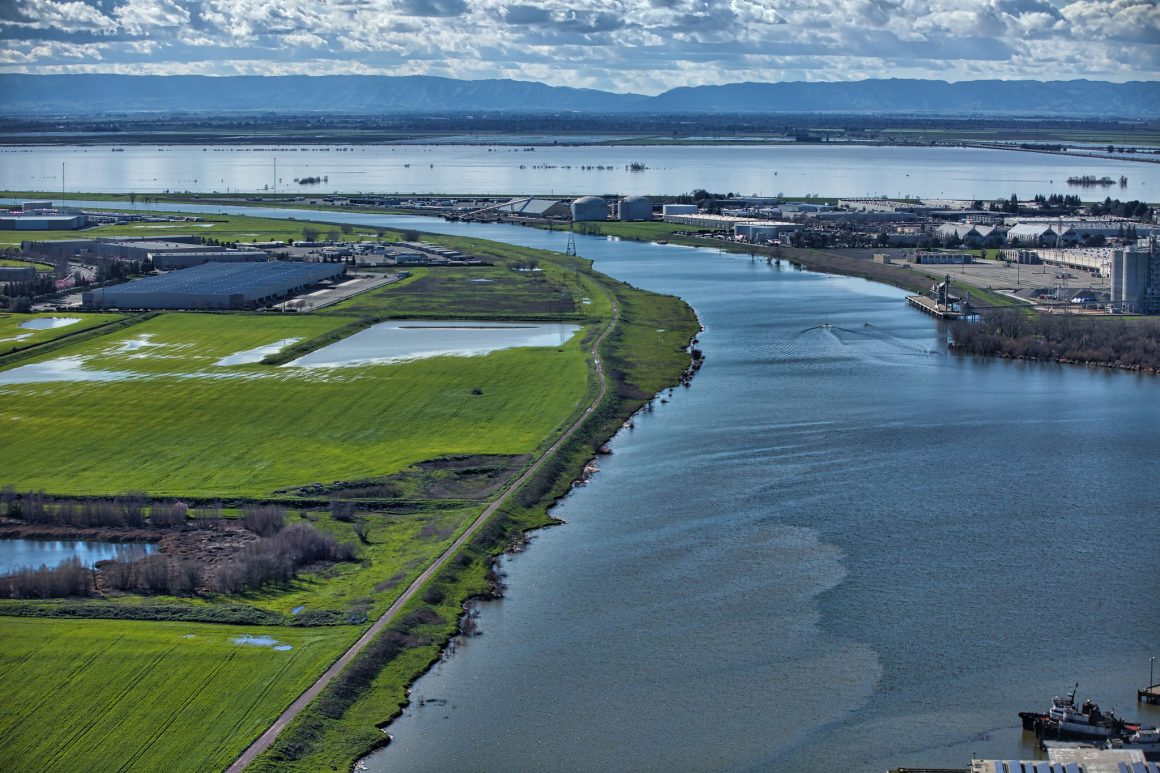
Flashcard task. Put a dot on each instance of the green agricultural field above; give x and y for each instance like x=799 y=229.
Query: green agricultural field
x=8 y=263
x=13 y=336
x=224 y=228
x=118 y=695
x=179 y=424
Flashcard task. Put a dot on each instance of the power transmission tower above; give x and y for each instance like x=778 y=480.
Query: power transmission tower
x=571 y=248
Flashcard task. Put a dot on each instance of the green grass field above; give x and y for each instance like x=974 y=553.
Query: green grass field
x=104 y=694
x=13 y=336
x=224 y=228
x=183 y=426
x=117 y=695
x=9 y=263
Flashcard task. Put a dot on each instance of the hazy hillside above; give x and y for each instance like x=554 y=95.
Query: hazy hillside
x=72 y=94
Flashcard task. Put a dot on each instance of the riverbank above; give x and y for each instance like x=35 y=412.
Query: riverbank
x=345 y=721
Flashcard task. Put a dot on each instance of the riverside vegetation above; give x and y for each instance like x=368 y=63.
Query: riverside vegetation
x=291 y=504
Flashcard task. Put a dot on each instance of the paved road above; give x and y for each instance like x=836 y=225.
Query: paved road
x=266 y=739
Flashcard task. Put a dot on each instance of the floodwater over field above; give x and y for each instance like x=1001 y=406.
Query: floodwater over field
x=49 y=323
x=842 y=548
x=418 y=339
x=32 y=553
x=257 y=354
x=789 y=169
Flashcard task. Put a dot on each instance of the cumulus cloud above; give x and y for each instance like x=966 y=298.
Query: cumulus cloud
x=646 y=45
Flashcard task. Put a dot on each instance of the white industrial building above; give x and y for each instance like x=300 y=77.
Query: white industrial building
x=635 y=208
x=588 y=209
x=679 y=209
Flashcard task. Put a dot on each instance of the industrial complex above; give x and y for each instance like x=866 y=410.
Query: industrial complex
x=215 y=286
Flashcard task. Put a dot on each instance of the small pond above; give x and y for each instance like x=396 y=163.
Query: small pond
x=19 y=553
x=49 y=323
x=417 y=339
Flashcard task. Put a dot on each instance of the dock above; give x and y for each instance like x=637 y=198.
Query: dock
x=1149 y=695
x=930 y=306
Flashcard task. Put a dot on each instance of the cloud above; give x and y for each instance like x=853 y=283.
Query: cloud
x=434 y=8
x=648 y=45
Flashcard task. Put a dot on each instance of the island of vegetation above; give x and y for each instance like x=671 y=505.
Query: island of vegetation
x=278 y=511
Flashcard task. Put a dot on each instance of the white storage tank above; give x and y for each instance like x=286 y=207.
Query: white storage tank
x=589 y=208
x=635 y=208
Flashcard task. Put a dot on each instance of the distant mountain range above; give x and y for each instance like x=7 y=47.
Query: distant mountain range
x=369 y=94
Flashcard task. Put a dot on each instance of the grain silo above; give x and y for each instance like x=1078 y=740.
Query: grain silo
x=635 y=208
x=1129 y=279
x=589 y=208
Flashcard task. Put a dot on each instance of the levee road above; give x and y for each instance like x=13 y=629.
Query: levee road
x=266 y=739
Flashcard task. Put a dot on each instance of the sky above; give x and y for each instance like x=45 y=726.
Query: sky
x=639 y=46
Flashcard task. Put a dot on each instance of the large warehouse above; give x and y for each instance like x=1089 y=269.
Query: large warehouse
x=214 y=286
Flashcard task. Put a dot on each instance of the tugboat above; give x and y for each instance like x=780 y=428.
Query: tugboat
x=1146 y=740
x=1065 y=721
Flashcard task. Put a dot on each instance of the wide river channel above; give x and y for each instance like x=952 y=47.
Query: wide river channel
x=768 y=170
x=842 y=548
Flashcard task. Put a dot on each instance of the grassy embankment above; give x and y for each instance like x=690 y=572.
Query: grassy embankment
x=185 y=426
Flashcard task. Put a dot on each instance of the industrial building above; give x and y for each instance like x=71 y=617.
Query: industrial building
x=1131 y=278
x=635 y=208
x=214 y=286
x=588 y=209
x=763 y=230
x=168 y=261
x=538 y=208
x=942 y=258
x=17 y=274
x=42 y=221
x=679 y=209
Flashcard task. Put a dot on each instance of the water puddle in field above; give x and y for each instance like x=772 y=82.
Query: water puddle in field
x=49 y=323
x=418 y=339
x=20 y=337
x=142 y=341
x=257 y=354
x=262 y=641
x=33 y=553
x=60 y=369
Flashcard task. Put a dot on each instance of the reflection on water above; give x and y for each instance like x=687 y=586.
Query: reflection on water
x=32 y=553
x=413 y=340
x=256 y=354
x=834 y=551
x=49 y=323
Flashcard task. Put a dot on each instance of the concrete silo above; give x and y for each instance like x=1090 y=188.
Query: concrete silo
x=589 y=208
x=635 y=208
x=1129 y=279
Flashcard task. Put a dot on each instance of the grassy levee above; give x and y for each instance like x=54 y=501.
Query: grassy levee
x=117 y=695
x=645 y=354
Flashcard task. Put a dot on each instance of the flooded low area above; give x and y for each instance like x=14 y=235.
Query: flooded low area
x=32 y=553
x=49 y=323
x=248 y=640
x=417 y=339
x=257 y=354
x=60 y=369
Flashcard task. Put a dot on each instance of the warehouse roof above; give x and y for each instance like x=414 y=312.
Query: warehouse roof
x=254 y=280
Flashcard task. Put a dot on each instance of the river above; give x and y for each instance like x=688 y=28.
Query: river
x=788 y=169
x=839 y=545
x=841 y=548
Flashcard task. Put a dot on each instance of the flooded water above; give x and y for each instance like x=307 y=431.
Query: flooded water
x=32 y=553
x=49 y=323
x=257 y=354
x=841 y=548
x=60 y=369
x=412 y=340
x=790 y=169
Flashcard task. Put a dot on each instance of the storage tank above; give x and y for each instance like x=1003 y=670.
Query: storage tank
x=1129 y=279
x=588 y=208
x=635 y=208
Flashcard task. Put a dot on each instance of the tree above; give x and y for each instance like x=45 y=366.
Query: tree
x=347 y=228
x=21 y=304
x=310 y=233
x=332 y=235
